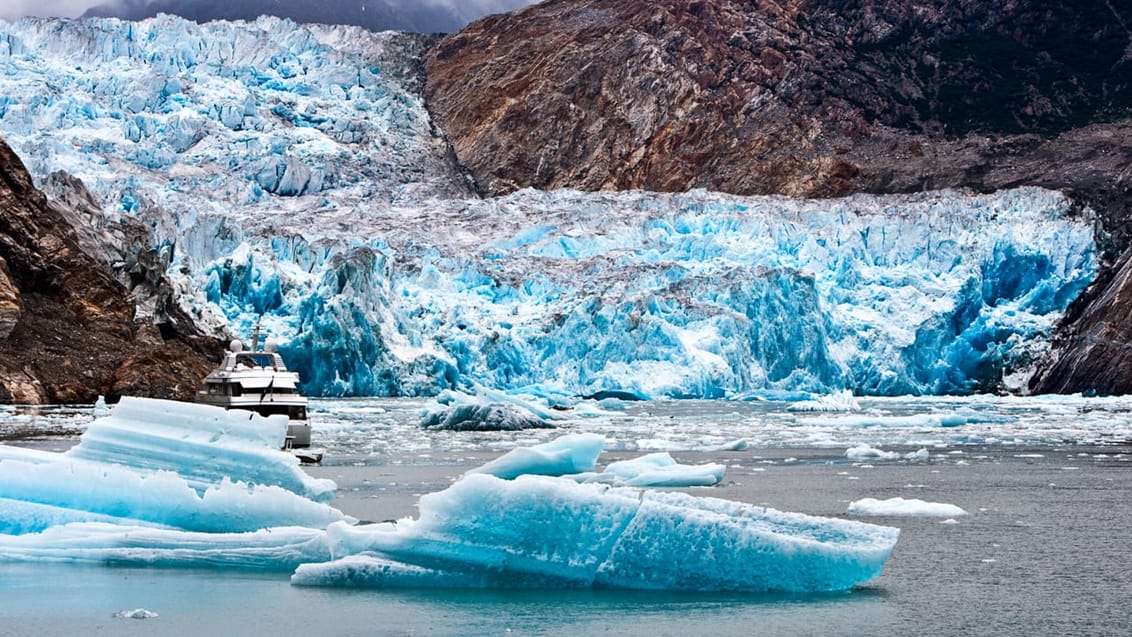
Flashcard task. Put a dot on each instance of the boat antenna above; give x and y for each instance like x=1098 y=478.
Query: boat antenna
x=255 y=335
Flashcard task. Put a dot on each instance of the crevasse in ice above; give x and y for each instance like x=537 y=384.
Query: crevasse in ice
x=291 y=171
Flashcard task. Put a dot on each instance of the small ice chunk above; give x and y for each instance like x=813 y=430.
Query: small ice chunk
x=573 y=453
x=902 y=507
x=137 y=613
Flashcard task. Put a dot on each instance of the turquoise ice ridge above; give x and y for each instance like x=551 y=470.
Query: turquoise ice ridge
x=538 y=531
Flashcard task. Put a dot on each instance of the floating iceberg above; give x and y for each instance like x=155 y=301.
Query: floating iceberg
x=575 y=456
x=538 y=531
x=658 y=470
x=569 y=454
x=462 y=412
x=166 y=463
x=280 y=548
x=903 y=507
x=201 y=443
x=865 y=452
x=483 y=531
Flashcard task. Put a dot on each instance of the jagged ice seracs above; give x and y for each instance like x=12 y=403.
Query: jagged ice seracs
x=291 y=172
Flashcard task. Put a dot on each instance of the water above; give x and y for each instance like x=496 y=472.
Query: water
x=1046 y=483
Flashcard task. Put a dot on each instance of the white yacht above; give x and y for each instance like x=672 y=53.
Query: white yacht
x=259 y=381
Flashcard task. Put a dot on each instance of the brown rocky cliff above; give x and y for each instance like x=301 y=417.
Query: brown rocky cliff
x=67 y=329
x=806 y=98
x=762 y=97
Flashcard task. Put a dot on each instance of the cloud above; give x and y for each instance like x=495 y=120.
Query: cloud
x=12 y=9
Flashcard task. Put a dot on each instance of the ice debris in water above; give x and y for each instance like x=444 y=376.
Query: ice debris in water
x=865 y=452
x=137 y=613
x=575 y=456
x=837 y=401
x=538 y=531
x=656 y=470
x=462 y=412
x=903 y=507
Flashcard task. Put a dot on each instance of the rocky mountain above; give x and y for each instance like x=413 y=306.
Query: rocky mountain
x=813 y=98
x=67 y=325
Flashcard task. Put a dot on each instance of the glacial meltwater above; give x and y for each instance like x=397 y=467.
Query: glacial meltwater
x=1034 y=494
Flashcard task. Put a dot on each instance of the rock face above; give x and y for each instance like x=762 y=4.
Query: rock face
x=67 y=328
x=811 y=98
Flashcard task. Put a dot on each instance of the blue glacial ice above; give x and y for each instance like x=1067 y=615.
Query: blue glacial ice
x=292 y=172
x=164 y=509
x=575 y=456
x=551 y=532
x=167 y=464
x=458 y=411
x=695 y=295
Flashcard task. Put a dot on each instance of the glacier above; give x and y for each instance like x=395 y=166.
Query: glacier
x=292 y=172
x=137 y=490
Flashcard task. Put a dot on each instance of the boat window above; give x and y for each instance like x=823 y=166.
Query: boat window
x=255 y=360
x=298 y=413
x=237 y=389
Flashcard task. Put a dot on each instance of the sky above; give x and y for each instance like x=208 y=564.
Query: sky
x=44 y=8
x=464 y=10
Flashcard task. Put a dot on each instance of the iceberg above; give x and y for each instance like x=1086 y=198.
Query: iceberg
x=168 y=464
x=538 y=531
x=569 y=454
x=865 y=452
x=903 y=507
x=462 y=412
x=575 y=456
x=483 y=531
x=280 y=549
x=200 y=443
x=658 y=470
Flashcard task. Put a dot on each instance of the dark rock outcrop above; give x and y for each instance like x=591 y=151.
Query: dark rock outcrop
x=67 y=326
x=812 y=98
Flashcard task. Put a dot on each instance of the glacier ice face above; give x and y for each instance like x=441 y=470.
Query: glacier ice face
x=292 y=172
x=693 y=295
x=551 y=532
